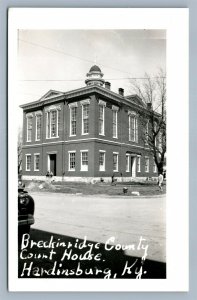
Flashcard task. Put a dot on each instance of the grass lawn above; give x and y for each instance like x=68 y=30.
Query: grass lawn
x=144 y=188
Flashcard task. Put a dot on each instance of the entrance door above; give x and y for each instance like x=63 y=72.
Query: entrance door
x=52 y=163
x=133 y=166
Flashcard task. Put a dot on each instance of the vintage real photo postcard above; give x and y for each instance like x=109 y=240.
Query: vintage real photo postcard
x=98 y=149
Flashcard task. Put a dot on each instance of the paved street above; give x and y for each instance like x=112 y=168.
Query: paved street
x=102 y=217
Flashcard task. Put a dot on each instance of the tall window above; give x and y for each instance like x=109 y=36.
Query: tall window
x=160 y=140
x=85 y=118
x=29 y=128
x=146 y=132
x=28 y=162
x=155 y=129
x=133 y=128
x=101 y=160
x=114 y=120
x=154 y=166
x=84 y=160
x=38 y=127
x=36 y=162
x=72 y=161
x=101 y=119
x=73 y=120
x=52 y=123
x=138 y=163
x=127 y=162
x=115 y=162
x=146 y=164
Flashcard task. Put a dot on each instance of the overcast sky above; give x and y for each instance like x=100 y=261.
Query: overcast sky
x=60 y=59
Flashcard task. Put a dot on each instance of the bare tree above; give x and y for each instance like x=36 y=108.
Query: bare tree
x=152 y=90
x=19 y=149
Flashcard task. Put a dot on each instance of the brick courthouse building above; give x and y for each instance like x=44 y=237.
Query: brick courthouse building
x=86 y=134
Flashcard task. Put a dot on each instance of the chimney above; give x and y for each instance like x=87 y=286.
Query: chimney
x=107 y=85
x=149 y=105
x=121 y=91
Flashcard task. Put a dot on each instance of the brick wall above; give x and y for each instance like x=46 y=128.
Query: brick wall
x=93 y=142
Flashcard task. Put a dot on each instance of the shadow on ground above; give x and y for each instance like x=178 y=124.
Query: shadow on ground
x=39 y=262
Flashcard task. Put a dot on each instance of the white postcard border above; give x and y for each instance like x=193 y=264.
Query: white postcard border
x=175 y=21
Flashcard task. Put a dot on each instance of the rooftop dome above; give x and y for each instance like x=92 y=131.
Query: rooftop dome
x=95 y=69
x=94 y=76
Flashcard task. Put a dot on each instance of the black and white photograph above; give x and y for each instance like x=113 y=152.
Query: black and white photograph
x=91 y=112
x=92 y=149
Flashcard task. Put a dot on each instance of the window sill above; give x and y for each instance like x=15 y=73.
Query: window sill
x=133 y=142
x=71 y=170
x=85 y=133
x=53 y=137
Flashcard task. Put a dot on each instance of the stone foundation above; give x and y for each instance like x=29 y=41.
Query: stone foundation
x=88 y=179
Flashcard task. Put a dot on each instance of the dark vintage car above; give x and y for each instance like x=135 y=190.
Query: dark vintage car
x=25 y=210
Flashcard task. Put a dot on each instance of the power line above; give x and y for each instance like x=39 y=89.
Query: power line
x=70 y=55
x=51 y=80
x=126 y=78
x=55 y=50
x=73 y=56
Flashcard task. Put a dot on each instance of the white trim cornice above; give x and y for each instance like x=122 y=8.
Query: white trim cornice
x=132 y=113
x=114 y=107
x=52 y=107
x=82 y=92
x=73 y=104
x=86 y=101
x=38 y=113
x=29 y=115
x=101 y=102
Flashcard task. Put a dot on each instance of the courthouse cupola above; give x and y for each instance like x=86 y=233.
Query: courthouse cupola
x=94 y=76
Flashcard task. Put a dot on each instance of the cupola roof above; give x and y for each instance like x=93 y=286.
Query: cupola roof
x=95 y=68
x=94 y=76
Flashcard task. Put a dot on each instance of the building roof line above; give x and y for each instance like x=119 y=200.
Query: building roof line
x=82 y=92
